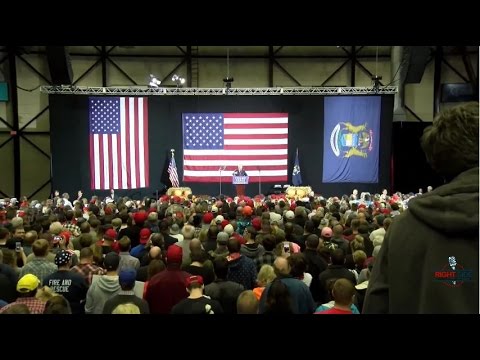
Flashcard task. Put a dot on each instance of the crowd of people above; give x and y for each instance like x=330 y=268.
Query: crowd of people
x=353 y=254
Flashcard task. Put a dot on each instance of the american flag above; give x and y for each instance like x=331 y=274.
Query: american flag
x=172 y=173
x=212 y=141
x=118 y=142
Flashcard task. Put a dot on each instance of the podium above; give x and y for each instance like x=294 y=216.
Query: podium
x=240 y=182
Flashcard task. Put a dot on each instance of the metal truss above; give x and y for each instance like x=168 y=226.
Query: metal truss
x=87 y=90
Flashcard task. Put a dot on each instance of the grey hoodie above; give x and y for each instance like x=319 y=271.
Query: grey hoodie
x=252 y=250
x=409 y=274
x=103 y=288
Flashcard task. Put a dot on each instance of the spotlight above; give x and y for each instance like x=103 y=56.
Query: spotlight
x=178 y=80
x=228 y=82
x=281 y=90
x=376 y=82
x=154 y=82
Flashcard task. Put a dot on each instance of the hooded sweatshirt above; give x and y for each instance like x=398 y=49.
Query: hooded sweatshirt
x=252 y=250
x=410 y=273
x=102 y=289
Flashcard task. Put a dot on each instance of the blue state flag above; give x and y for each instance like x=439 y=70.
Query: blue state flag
x=351 y=139
x=296 y=175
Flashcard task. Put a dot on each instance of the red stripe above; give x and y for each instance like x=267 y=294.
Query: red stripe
x=127 y=137
x=256 y=136
x=145 y=141
x=255 y=115
x=101 y=153
x=232 y=168
x=227 y=180
x=255 y=147
x=235 y=157
x=92 y=163
x=111 y=153
x=119 y=160
x=137 y=146
x=255 y=126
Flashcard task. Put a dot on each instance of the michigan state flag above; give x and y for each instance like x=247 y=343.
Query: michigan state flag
x=351 y=139
x=296 y=175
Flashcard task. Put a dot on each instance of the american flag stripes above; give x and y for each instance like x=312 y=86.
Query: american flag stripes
x=118 y=142
x=212 y=141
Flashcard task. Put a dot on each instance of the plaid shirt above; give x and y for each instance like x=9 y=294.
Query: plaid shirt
x=87 y=271
x=74 y=229
x=267 y=258
x=34 y=305
x=40 y=267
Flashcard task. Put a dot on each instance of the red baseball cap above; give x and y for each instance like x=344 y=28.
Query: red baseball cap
x=193 y=279
x=144 y=235
x=111 y=234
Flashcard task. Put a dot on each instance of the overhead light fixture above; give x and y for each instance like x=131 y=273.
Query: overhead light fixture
x=178 y=80
x=154 y=82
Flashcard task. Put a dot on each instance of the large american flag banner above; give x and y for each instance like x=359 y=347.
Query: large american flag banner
x=212 y=141
x=118 y=142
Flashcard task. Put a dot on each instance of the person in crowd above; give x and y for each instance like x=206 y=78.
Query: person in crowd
x=126 y=295
x=196 y=303
x=105 y=286
x=438 y=230
x=27 y=287
x=247 y=303
x=343 y=294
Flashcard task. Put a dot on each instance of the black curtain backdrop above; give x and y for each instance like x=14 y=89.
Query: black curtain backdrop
x=410 y=167
x=70 y=146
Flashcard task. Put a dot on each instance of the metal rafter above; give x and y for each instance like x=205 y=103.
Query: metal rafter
x=145 y=91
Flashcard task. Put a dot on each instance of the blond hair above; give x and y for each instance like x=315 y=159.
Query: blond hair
x=126 y=309
x=266 y=275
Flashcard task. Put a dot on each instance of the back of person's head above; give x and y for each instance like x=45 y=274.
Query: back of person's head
x=126 y=309
x=17 y=309
x=343 y=292
x=281 y=266
x=358 y=243
x=359 y=258
x=451 y=142
x=233 y=246
x=247 y=303
x=309 y=226
x=312 y=241
x=57 y=305
x=220 y=266
x=85 y=227
x=4 y=233
x=86 y=254
x=266 y=275
x=40 y=247
x=154 y=267
x=124 y=244
x=30 y=237
x=298 y=265
x=157 y=239
x=338 y=257
x=337 y=231
x=279 y=299
x=126 y=278
x=269 y=242
x=355 y=224
x=85 y=240
x=387 y=222
x=8 y=257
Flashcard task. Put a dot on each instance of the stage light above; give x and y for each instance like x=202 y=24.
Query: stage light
x=178 y=80
x=154 y=82
x=339 y=90
x=281 y=90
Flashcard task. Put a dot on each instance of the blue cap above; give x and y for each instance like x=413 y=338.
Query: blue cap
x=127 y=276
